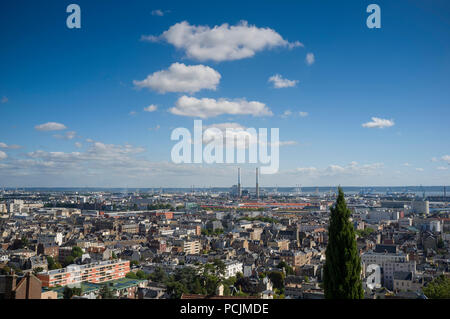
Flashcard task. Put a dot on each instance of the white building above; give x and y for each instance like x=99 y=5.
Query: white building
x=232 y=267
x=389 y=263
x=435 y=226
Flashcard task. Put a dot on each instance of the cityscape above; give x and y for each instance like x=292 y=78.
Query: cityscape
x=258 y=154
x=233 y=243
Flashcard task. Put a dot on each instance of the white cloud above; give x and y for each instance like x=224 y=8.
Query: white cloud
x=236 y=130
x=182 y=78
x=240 y=136
x=78 y=145
x=446 y=158
x=306 y=170
x=157 y=12
x=132 y=113
x=221 y=43
x=279 y=82
x=4 y=145
x=3 y=155
x=352 y=169
x=442 y=168
x=289 y=113
x=419 y=169
x=406 y=164
x=286 y=114
x=67 y=136
x=205 y=107
x=150 y=108
x=310 y=59
x=157 y=127
x=378 y=123
x=50 y=126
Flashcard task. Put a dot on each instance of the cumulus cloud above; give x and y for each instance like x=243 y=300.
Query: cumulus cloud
x=442 y=168
x=150 y=108
x=419 y=169
x=303 y=114
x=238 y=135
x=181 y=78
x=3 y=155
x=221 y=43
x=50 y=126
x=12 y=147
x=279 y=82
x=310 y=59
x=205 y=107
x=378 y=123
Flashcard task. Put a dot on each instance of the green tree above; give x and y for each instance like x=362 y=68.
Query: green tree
x=68 y=260
x=342 y=270
x=76 y=252
x=159 y=275
x=131 y=275
x=106 y=292
x=287 y=268
x=277 y=278
x=141 y=275
x=52 y=264
x=176 y=289
x=439 y=288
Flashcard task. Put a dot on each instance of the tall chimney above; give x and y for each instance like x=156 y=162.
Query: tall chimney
x=257 y=185
x=239 y=182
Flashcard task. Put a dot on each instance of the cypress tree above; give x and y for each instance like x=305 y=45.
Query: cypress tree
x=342 y=270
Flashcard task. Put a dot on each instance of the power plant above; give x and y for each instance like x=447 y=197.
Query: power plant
x=237 y=189
x=257 y=185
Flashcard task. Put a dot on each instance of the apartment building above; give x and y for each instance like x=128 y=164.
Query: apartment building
x=295 y=258
x=190 y=247
x=390 y=263
x=232 y=267
x=95 y=272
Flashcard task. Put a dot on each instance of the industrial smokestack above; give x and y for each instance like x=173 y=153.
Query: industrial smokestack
x=239 y=182
x=257 y=184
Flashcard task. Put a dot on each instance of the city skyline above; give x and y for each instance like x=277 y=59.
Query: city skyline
x=95 y=107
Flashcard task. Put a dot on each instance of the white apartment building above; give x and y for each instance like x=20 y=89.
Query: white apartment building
x=232 y=267
x=389 y=264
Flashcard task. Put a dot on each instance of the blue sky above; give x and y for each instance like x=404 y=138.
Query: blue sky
x=85 y=80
